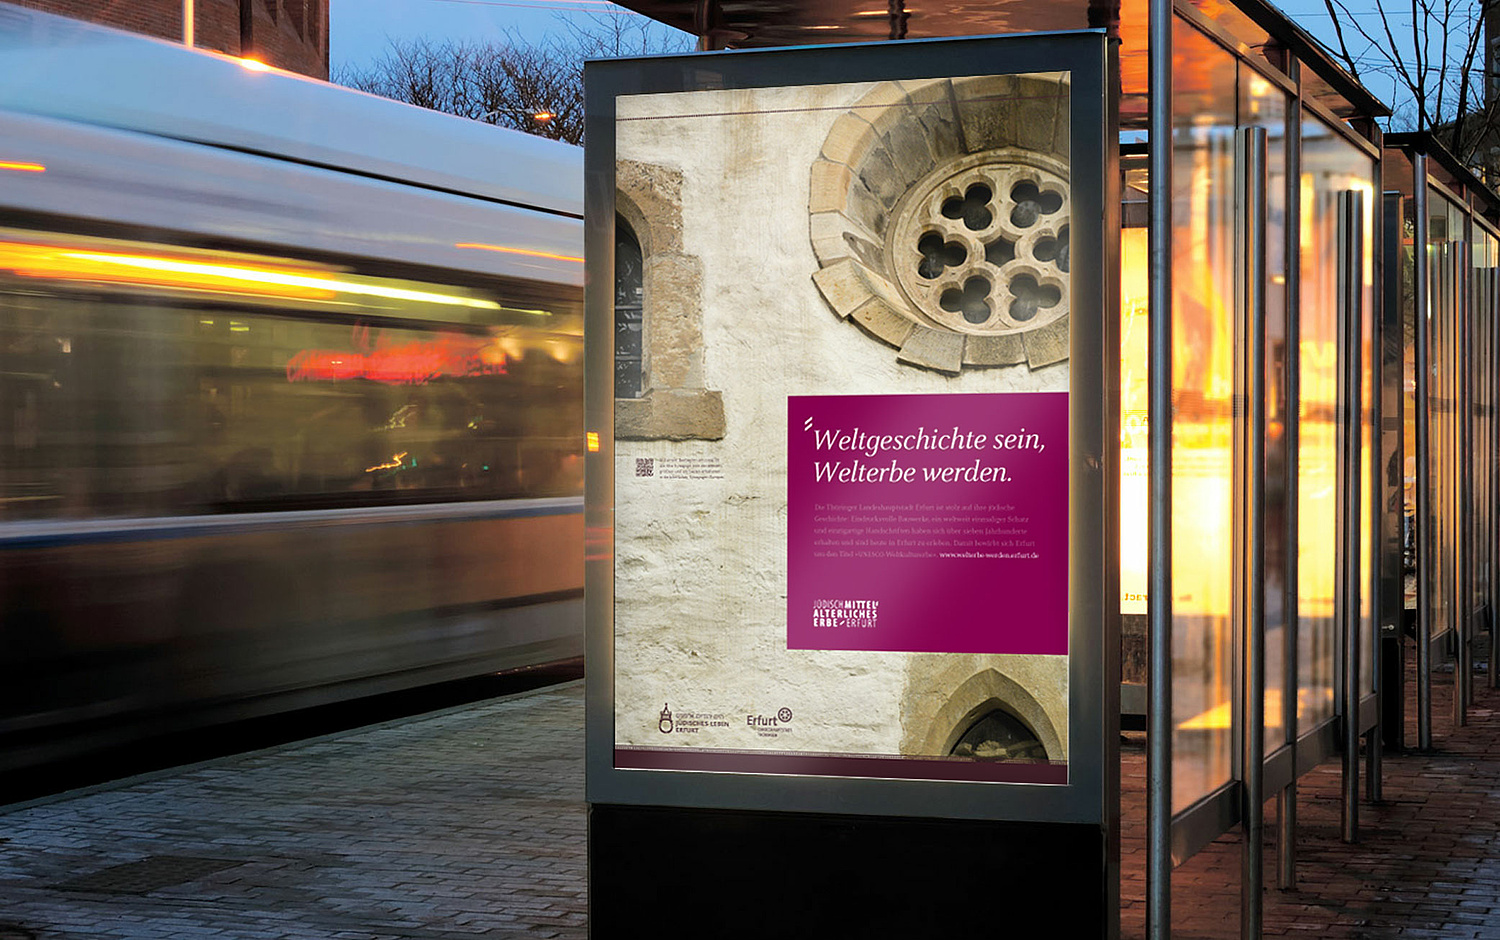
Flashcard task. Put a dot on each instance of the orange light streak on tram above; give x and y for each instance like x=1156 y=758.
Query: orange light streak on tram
x=56 y=262
x=503 y=249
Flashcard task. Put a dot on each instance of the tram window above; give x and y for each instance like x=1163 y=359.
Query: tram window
x=162 y=401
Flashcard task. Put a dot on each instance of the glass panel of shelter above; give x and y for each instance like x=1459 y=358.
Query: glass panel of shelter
x=1487 y=303
x=1331 y=165
x=1210 y=101
x=1444 y=244
x=1486 y=258
x=1265 y=105
x=1317 y=468
x=1204 y=462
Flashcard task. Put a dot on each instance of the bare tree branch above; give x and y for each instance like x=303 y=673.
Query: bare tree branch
x=531 y=87
x=1433 y=52
x=1338 y=32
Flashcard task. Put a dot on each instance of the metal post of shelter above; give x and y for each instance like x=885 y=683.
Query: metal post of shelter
x=1251 y=312
x=1351 y=277
x=1463 y=361
x=1286 y=798
x=1374 y=539
x=1159 y=418
x=1492 y=298
x=1422 y=299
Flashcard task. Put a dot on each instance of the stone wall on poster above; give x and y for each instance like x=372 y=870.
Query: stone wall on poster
x=700 y=589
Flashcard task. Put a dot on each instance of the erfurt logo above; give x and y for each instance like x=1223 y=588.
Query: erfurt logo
x=783 y=716
x=665 y=724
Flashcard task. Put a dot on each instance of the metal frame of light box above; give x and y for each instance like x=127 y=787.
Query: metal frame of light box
x=1092 y=792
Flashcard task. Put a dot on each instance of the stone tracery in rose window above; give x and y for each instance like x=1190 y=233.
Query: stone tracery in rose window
x=941 y=220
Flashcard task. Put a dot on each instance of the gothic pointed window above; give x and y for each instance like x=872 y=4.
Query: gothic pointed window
x=628 y=313
x=999 y=735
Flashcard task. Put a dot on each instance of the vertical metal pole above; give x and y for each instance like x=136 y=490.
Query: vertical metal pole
x=1463 y=363
x=1159 y=417
x=1375 y=538
x=1445 y=317
x=1467 y=371
x=189 y=23
x=1286 y=800
x=1292 y=678
x=1422 y=298
x=1449 y=310
x=1492 y=459
x=1484 y=442
x=1252 y=312
x=1350 y=275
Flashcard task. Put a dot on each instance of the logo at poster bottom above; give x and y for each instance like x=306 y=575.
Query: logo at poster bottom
x=689 y=722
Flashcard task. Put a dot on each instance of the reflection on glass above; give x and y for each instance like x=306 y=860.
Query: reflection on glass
x=1264 y=105
x=1408 y=409
x=1361 y=175
x=1444 y=249
x=1486 y=258
x=143 y=379
x=1203 y=215
x=1134 y=409
x=1330 y=165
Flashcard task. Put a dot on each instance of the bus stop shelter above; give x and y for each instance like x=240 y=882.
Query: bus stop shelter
x=1308 y=341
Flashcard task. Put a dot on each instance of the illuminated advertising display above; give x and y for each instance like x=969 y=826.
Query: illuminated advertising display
x=851 y=475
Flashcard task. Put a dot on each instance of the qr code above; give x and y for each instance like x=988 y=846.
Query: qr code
x=645 y=466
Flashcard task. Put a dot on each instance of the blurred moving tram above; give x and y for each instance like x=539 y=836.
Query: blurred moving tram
x=290 y=392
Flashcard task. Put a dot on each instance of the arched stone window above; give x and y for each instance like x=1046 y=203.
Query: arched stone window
x=940 y=215
x=1021 y=707
x=671 y=400
x=628 y=312
x=999 y=735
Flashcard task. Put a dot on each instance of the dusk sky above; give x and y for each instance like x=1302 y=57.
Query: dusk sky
x=358 y=29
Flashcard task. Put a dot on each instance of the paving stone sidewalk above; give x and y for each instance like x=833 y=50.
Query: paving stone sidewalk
x=1427 y=863
x=470 y=823
x=459 y=824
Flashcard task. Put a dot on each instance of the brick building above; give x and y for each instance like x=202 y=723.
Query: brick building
x=289 y=34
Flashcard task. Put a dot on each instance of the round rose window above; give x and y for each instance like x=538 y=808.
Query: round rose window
x=940 y=216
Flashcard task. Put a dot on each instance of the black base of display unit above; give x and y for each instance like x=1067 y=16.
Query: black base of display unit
x=668 y=872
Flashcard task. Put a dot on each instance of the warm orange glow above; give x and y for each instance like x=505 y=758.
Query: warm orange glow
x=1221 y=716
x=503 y=249
x=205 y=273
x=414 y=363
x=392 y=464
x=543 y=117
x=1134 y=407
x=22 y=167
x=254 y=65
x=55 y=262
x=1217 y=718
x=593 y=442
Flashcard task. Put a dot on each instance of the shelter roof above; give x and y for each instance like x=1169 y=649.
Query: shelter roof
x=1255 y=26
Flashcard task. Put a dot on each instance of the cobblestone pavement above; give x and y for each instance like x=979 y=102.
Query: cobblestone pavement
x=470 y=823
x=1427 y=863
x=459 y=824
